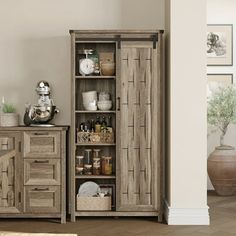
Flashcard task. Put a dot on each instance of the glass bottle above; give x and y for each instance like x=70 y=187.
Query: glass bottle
x=107 y=165
x=103 y=125
x=92 y=125
x=96 y=162
x=98 y=125
x=79 y=165
x=109 y=125
x=88 y=161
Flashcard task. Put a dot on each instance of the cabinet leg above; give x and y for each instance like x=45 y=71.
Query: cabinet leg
x=72 y=218
x=63 y=219
x=160 y=218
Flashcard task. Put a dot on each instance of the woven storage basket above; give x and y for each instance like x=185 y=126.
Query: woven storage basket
x=9 y=119
x=93 y=203
x=86 y=137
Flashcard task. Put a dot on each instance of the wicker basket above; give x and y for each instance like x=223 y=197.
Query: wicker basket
x=93 y=203
x=102 y=137
x=9 y=119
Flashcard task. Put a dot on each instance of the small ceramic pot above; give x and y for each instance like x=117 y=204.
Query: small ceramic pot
x=9 y=119
x=108 y=68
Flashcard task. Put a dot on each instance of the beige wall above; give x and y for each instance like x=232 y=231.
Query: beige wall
x=35 y=44
x=222 y=12
x=186 y=72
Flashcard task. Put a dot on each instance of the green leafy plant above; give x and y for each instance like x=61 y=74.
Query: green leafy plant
x=221 y=110
x=8 y=108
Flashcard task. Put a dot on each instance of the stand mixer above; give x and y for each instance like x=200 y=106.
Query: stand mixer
x=43 y=112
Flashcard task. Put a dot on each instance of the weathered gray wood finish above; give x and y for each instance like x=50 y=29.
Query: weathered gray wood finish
x=33 y=172
x=137 y=95
x=138 y=163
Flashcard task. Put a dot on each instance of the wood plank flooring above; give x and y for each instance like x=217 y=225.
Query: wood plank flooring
x=222 y=212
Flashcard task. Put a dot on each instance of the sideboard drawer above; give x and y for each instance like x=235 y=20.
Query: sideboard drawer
x=41 y=144
x=42 y=199
x=42 y=171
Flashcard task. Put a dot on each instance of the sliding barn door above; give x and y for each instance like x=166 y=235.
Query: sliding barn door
x=139 y=119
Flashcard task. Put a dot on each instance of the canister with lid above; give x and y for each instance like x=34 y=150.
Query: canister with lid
x=107 y=165
x=96 y=162
x=79 y=165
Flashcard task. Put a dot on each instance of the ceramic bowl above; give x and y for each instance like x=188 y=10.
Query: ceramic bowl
x=104 y=96
x=108 y=68
x=104 y=105
x=90 y=106
x=89 y=96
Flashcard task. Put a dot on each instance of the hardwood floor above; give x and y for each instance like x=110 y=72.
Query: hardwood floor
x=222 y=212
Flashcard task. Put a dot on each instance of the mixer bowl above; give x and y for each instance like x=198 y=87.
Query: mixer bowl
x=43 y=114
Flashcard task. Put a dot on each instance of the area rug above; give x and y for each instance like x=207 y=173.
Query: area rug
x=34 y=234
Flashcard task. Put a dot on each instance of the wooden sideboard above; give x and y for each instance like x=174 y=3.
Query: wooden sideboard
x=33 y=172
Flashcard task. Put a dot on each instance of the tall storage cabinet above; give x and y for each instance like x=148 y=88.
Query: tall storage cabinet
x=137 y=94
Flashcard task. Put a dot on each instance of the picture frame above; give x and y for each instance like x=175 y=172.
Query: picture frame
x=214 y=81
x=219 y=44
x=110 y=188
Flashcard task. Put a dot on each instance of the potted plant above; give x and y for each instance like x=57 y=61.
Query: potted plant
x=9 y=117
x=221 y=164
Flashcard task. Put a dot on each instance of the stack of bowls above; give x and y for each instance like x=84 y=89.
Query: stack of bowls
x=104 y=103
x=90 y=100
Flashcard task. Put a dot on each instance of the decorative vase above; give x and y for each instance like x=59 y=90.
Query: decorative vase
x=221 y=167
x=9 y=119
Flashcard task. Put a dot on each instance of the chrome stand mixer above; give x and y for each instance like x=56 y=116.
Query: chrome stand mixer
x=43 y=112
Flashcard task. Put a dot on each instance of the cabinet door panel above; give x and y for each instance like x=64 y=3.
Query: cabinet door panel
x=138 y=121
x=42 y=172
x=42 y=199
x=41 y=144
x=10 y=172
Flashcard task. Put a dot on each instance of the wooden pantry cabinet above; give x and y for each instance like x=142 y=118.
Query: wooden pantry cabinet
x=33 y=172
x=137 y=93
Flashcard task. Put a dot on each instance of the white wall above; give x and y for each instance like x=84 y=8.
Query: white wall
x=222 y=12
x=35 y=43
x=186 y=72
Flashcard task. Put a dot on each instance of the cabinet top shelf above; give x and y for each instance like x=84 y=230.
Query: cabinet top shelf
x=107 y=32
x=95 y=144
x=94 y=77
x=95 y=176
x=92 y=112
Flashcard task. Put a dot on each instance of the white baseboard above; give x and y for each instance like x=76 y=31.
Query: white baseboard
x=186 y=216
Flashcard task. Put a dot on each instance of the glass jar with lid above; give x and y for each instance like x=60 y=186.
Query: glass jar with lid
x=79 y=165
x=96 y=162
x=107 y=165
x=88 y=161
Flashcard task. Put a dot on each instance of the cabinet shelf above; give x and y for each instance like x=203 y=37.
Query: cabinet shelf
x=95 y=176
x=95 y=144
x=94 y=112
x=94 y=77
x=116 y=213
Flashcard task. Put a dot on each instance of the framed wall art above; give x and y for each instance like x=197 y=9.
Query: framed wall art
x=214 y=81
x=220 y=45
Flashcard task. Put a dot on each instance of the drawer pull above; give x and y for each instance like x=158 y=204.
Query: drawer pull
x=41 y=189
x=44 y=133
x=36 y=161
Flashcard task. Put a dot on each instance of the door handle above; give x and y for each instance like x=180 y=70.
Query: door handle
x=44 y=133
x=40 y=189
x=118 y=103
x=37 y=161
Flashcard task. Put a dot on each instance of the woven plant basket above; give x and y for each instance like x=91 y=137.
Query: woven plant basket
x=93 y=203
x=9 y=119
